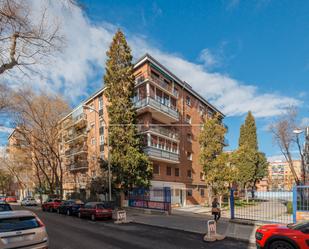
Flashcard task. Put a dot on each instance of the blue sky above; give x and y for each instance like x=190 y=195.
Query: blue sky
x=255 y=54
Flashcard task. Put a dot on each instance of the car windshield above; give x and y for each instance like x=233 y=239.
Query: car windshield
x=18 y=223
x=5 y=207
x=298 y=225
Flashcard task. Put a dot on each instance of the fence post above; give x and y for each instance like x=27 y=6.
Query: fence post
x=232 y=204
x=294 y=203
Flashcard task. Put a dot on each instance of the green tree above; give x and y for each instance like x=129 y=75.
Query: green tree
x=214 y=162
x=130 y=166
x=251 y=164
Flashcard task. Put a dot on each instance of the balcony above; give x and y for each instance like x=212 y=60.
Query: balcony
x=159 y=130
x=79 y=122
x=160 y=83
x=161 y=155
x=82 y=165
x=75 y=137
x=75 y=151
x=161 y=112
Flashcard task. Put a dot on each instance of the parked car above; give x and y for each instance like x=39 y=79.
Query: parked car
x=51 y=205
x=2 y=198
x=28 y=201
x=5 y=207
x=276 y=236
x=11 y=199
x=70 y=207
x=22 y=229
x=96 y=210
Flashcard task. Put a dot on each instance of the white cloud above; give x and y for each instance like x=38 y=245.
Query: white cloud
x=4 y=129
x=276 y=158
x=208 y=58
x=82 y=61
x=304 y=122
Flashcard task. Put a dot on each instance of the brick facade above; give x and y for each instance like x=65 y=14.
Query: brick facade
x=170 y=115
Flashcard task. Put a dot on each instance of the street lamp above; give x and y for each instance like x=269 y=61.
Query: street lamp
x=298 y=132
x=108 y=153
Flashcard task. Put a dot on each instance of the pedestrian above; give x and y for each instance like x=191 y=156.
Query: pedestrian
x=215 y=210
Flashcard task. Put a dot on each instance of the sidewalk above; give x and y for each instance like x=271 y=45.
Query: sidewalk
x=194 y=223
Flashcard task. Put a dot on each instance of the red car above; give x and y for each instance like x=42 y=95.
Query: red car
x=275 y=236
x=11 y=199
x=51 y=205
x=95 y=210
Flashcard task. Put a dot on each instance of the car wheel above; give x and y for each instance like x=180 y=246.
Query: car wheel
x=68 y=212
x=93 y=217
x=280 y=244
x=43 y=209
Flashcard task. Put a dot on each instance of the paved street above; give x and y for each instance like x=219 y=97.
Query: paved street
x=73 y=233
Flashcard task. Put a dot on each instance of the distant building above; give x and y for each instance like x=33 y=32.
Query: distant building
x=280 y=177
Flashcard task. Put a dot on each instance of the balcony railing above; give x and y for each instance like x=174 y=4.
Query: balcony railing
x=78 y=165
x=80 y=121
x=77 y=150
x=148 y=101
x=161 y=154
x=159 y=82
x=159 y=130
x=75 y=137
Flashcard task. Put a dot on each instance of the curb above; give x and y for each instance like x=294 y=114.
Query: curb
x=192 y=231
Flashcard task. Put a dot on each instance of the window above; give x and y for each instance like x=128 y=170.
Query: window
x=101 y=123
x=189 y=137
x=176 y=171
x=100 y=103
x=168 y=171
x=202 y=176
x=202 y=191
x=189 y=192
x=91 y=108
x=188 y=101
x=101 y=139
x=188 y=118
x=93 y=141
x=175 y=92
x=156 y=169
x=189 y=173
x=189 y=155
x=202 y=110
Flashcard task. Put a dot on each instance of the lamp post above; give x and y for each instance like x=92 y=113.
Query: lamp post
x=298 y=132
x=108 y=153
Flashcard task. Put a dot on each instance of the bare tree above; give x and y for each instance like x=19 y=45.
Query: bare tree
x=36 y=120
x=5 y=96
x=25 y=38
x=283 y=135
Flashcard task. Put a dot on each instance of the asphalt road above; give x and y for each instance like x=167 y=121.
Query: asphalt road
x=66 y=232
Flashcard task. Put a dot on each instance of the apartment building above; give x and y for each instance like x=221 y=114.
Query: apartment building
x=280 y=176
x=21 y=165
x=170 y=115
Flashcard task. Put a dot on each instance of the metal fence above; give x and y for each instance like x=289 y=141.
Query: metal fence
x=274 y=207
x=301 y=203
x=153 y=198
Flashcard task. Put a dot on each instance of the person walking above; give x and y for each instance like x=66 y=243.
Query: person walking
x=215 y=210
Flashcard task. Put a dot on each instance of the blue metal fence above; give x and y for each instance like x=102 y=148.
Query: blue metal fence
x=153 y=198
x=262 y=206
x=300 y=203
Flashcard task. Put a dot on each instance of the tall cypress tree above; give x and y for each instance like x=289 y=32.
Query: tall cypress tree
x=130 y=166
x=252 y=164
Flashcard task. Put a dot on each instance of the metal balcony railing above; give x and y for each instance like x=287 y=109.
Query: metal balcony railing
x=160 y=130
x=148 y=101
x=159 y=82
x=161 y=154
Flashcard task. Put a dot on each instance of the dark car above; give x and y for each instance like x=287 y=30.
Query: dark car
x=5 y=207
x=51 y=205
x=70 y=207
x=96 y=210
x=276 y=236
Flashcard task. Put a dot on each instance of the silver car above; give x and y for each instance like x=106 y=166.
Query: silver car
x=29 y=201
x=22 y=229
